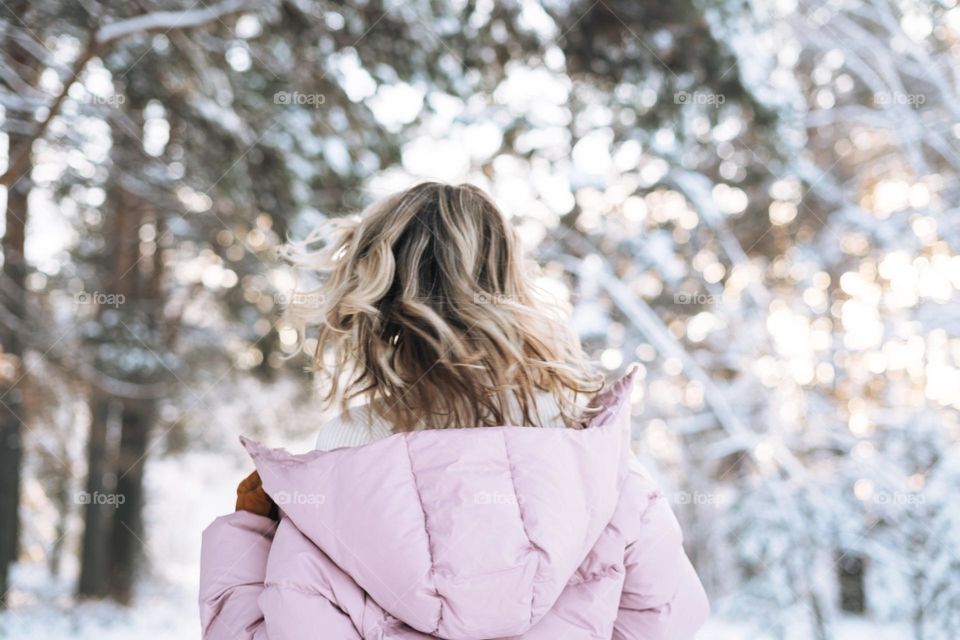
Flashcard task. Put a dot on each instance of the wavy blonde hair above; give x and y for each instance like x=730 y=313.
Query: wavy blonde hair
x=428 y=310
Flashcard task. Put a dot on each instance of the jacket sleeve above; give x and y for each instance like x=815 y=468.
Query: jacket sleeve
x=233 y=561
x=264 y=581
x=662 y=597
x=305 y=593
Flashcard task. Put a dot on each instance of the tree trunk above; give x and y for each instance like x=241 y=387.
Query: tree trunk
x=96 y=516
x=13 y=299
x=12 y=296
x=126 y=536
x=113 y=537
x=851 y=574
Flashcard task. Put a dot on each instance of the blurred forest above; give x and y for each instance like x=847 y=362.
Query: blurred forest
x=754 y=200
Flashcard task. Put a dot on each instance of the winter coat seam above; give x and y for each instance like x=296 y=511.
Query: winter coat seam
x=426 y=531
x=523 y=522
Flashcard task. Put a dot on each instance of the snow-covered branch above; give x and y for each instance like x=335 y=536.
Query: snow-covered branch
x=107 y=34
x=168 y=20
x=73 y=364
x=647 y=321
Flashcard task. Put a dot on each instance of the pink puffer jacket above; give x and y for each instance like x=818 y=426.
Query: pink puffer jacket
x=496 y=532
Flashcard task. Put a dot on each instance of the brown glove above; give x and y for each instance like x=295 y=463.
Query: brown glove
x=251 y=497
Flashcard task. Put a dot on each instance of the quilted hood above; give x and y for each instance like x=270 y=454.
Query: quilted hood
x=442 y=528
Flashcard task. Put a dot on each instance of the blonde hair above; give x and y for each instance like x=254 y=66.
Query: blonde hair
x=427 y=309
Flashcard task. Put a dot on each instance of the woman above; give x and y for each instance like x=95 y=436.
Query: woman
x=474 y=494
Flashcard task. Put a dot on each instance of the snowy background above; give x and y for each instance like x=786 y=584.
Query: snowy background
x=756 y=201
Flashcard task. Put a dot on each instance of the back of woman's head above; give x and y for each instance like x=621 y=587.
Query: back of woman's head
x=429 y=311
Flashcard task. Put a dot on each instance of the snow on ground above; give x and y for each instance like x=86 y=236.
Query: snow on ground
x=186 y=492
x=44 y=609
